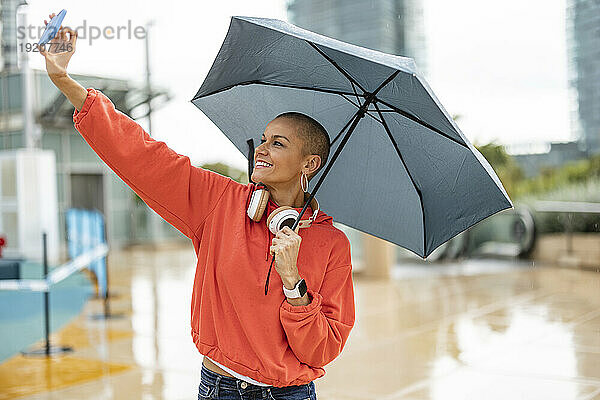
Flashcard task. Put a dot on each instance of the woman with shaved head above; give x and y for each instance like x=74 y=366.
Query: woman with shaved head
x=258 y=342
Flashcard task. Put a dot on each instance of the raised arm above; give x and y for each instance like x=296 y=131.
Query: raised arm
x=182 y=194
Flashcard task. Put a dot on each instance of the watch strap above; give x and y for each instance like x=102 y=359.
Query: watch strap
x=298 y=291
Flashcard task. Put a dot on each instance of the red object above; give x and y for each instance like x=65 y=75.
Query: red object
x=232 y=321
x=2 y=243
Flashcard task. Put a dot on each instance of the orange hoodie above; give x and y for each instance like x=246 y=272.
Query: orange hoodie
x=233 y=322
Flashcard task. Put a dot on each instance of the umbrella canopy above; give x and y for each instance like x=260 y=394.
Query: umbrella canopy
x=401 y=168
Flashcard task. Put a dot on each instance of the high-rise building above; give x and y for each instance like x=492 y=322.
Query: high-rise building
x=583 y=48
x=391 y=26
x=8 y=22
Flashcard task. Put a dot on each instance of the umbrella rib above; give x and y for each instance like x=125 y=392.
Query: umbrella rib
x=332 y=91
x=372 y=116
x=341 y=131
x=371 y=98
x=348 y=123
x=382 y=110
x=350 y=101
x=358 y=106
x=355 y=93
x=352 y=80
x=418 y=121
x=389 y=133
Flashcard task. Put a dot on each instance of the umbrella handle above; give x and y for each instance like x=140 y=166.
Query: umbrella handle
x=250 y=159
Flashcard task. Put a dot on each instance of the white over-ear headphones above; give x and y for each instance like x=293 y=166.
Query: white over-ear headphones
x=280 y=217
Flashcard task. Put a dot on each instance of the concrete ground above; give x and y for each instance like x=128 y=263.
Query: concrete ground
x=478 y=329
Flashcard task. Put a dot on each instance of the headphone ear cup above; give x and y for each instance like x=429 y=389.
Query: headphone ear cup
x=281 y=217
x=258 y=204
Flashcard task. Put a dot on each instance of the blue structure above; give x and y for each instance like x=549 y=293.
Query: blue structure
x=85 y=231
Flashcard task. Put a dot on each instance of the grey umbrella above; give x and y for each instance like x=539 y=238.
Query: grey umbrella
x=400 y=169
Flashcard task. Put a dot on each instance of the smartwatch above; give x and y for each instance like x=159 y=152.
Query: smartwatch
x=298 y=291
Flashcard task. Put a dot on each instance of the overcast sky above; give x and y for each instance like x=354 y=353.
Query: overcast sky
x=501 y=66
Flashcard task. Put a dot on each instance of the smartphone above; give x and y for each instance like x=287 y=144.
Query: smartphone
x=52 y=27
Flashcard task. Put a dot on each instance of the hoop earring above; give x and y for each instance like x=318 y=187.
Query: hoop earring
x=302 y=182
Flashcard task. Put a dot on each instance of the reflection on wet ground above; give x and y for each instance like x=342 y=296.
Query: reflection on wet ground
x=473 y=330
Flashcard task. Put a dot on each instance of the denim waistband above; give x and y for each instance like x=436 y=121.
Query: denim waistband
x=228 y=382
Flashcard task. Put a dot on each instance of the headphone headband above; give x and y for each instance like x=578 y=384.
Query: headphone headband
x=259 y=200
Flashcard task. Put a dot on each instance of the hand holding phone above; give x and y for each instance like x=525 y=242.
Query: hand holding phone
x=53 y=27
x=59 y=51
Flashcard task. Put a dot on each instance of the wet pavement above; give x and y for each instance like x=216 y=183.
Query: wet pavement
x=480 y=329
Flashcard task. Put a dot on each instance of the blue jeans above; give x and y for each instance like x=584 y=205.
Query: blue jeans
x=221 y=387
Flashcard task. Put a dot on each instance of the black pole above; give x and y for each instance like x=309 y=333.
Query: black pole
x=47 y=350
x=569 y=233
x=46 y=296
x=103 y=239
x=106 y=294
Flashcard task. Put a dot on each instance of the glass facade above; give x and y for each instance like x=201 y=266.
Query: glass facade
x=8 y=19
x=583 y=48
x=391 y=26
x=10 y=92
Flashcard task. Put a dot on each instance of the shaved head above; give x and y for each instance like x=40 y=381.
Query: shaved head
x=313 y=135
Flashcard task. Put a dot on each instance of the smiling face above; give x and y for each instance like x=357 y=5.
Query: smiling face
x=283 y=150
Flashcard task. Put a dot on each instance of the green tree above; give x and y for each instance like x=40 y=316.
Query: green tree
x=226 y=170
x=504 y=165
x=551 y=179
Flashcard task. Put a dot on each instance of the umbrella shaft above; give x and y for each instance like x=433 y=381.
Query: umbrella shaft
x=357 y=117
x=360 y=113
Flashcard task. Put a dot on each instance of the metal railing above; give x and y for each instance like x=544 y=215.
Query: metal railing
x=568 y=208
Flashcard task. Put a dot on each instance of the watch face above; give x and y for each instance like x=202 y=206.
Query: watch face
x=302 y=287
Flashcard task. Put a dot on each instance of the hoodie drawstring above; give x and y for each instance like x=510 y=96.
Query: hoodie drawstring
x=272 y=259
x=266 y=259
x=268 y=240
